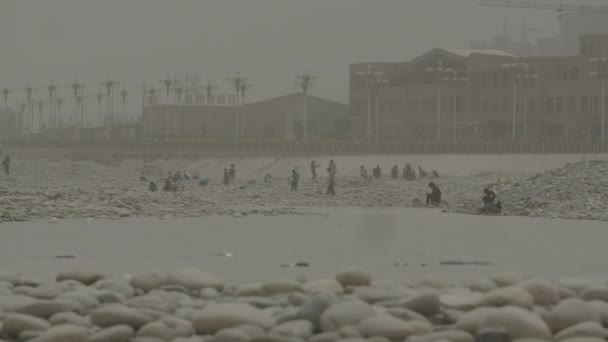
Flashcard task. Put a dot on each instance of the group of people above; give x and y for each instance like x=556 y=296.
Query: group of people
x=408 y=173
x=171 y=183
x=332 y=170
x=491 y=202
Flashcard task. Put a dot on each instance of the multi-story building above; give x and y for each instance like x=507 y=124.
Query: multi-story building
x=480 y=95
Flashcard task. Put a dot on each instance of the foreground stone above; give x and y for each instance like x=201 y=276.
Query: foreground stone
x=216 y=317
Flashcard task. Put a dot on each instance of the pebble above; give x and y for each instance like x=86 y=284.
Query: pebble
x=349 y=312
x=215 y=317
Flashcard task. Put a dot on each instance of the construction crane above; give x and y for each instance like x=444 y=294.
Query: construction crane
x=560 y=8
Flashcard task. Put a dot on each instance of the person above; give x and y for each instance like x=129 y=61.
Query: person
x=6 y=164
x=395 y=172
x=331 y=182
x=152 y=187
x=333 y=167
x=376 y=172
x=295 y=178
x=268 y=179
x=177 y=176
x=186 y=175
x=434 y=174
x=434 y=197
x=491 y=202
x=363 y=173
x=313 y=170
x=408 y=173
x=232 y=174
x=168 y=186
x=142 y=177
x=226 y=177
x=422 y=173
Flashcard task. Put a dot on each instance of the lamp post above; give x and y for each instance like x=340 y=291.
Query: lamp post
x=305 y=82
x=209 y=88
x=179 y=90
x=5 y=92
x=51 y=89
x=456 y=77
x=244 y=87
x=76 y=88
x=109 y=84
x=59 y=103
x=236 y=83
x=124 y=93
x=99 y=97
x=439 y=71
x=526 y=76
x=22 y=107
x=373 y=81
x=517 y=68
x=601 y=72
x=167 y=82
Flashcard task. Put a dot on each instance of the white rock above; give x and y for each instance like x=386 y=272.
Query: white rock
x=584 y=339
x=215 y=317
x=507 y=278
x=350 y=312
x=448 y=335
x=483 y=285
x=47 y=308
x=576 y=284
x=118 y=315
x=15 y=323
x=117 y=333
x=158 y=330
x=427 y=304
x=209 y=293
x=543 y=291
x=570 y=312
x=83 y=275
x=584 y=329
x=69 y=318
x=232 y=335
x=595 y=293
x=510 y=295
x=461 y=301
x=392 y=328
x=354 y=277
x=296 y=328
x=601 y=308
x=280 y=286
x=119 y=286
x=519 y=322
x=13 y=302
x=194 y=279
x=63 y=333
x=331 y=336
x=148 y=281
x=324 y=286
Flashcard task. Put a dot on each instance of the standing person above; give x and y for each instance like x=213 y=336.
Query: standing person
x=313 y=170
x=331 y=182
x=6 y=164
x=226 y=177
x=295 y=178
x=434 y=197
x=422 y=173
x=376 y=172
x=152 y=187
x=332 y=166
x=491 y=202
x=395 y=172
x=232 y=174
x=363 y=173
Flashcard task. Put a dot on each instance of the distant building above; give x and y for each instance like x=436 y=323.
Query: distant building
x=280 y=118
x=564 y=102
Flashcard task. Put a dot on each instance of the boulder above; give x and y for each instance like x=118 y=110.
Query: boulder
x=218 y=316
x=392 y=328
x=570 y=312
x=15 y=323
x=47 y=308
x=118 y=315
x=82 y=275
x=509 y=296
x=13 y=302
x=519 y=322
x=63 y=333
x=297 y=328
x=117 y=333
x=595 y=293
x=69 y=318
x=194 y=279
x=349 y=312
x=543 y=291
x=461 y=301
x=148 y=281
x=584 y=329
x=426 y=304
x=158 y=330
x=280 y=286
x=312 y=310
x=354 y=277
x=577 y=285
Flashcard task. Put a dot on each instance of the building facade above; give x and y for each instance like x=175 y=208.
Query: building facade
x=481 y=95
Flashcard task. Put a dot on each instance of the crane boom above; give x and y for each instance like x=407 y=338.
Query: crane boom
x=545 y=6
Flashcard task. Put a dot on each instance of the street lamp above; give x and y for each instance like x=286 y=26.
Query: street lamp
x=5 y=92
x=167 y=82
x=244 y=87
x=236 y=83
x=76 y=88
x=124 y=93
x=179 y=90
x=439 y=71
x=209 y=88
x=456 y=77
x=373 y=80
x=52 y=89
x=305 y=82
x=517 y=68
x=30 y=121
x=109 y=84
x=99 y=97
x=526 y=76
x=601 y=72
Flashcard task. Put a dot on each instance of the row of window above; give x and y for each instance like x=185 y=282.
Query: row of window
x=411 y=106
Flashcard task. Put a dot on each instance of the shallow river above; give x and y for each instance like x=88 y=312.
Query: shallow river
x=329 y=240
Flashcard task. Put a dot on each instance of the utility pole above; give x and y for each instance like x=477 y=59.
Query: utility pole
x=167 y=82
x=236 y=83
x=244 y=87
x=305 y=82
x=209 y=88
x=439 y=72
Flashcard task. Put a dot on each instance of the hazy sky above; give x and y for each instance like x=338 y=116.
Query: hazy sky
x=268 y=41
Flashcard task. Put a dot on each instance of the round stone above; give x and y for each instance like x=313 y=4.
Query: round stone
x=15 y=323
x=296 y=328
x=218 y=316
x=426 y=304
x=148 y=281
x=118 y=315
x=595 y=293
x=117 y=333
x=82 y=275
x=570 y=312
x=519 y=323
x=392 y=328
x=280 y=286
x=194 y=279
x=543 y=291
x=354 y=277
x=349 y=312
x=510 y=295
x=63 y=333
x=312 y=310
x=584 y=329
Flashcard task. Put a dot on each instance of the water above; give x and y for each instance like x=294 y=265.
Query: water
x=328 y=239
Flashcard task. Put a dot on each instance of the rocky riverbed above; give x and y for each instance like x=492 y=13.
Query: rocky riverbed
x=192 y=305
x=63 y=188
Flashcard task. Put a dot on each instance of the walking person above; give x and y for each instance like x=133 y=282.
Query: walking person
x=6 y=164
x=295 y=178
x=331 y=182
x=313 y=170
x=232 y=174
x=333 y=167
